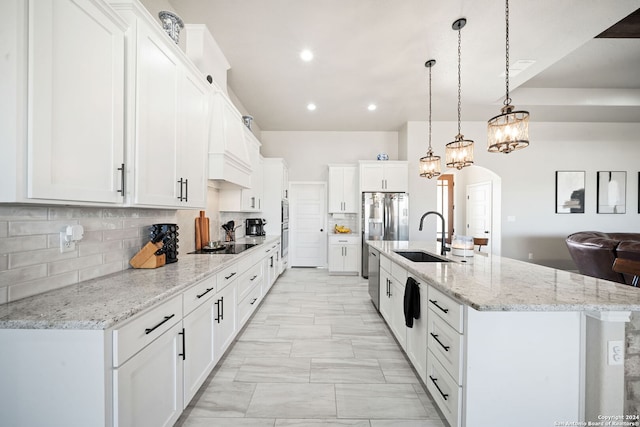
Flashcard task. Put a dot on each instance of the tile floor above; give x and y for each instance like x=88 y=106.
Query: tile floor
x=315 y=353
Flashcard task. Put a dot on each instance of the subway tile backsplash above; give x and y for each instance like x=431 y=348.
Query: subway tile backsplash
x=30 y=258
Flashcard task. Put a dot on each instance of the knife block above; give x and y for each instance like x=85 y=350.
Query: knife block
x=147 y=258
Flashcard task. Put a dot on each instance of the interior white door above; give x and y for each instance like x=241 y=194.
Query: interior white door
x=307 y=224
x=479 y=211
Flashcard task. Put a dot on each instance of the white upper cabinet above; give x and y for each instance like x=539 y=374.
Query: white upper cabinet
x=343 y=189
x=388 y=176
x=167 y=102
x=70 y=145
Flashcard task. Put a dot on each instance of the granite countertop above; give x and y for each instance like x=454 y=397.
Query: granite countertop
x=102 y=302
x=492 y=283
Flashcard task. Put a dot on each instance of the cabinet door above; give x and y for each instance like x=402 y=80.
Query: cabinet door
x=372 y=176
x=76 y=102
x=336 y=257
x=225 y=319
x=158 y=81
x=396 y=177
x=385 y=298
x=336 y=189
x=350 y=189
x=200 y=356
x=351 y=258
x=397 y=323
x=148 y=387
x=417 y=337
x=193 y=144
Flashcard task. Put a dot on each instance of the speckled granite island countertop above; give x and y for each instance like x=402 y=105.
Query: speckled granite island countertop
x=101 y=303
x=492 y=283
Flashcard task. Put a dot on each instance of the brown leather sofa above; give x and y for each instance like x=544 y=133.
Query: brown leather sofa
x=594 y=253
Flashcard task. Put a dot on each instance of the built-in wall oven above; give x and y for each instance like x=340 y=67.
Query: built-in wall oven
x=284 y=244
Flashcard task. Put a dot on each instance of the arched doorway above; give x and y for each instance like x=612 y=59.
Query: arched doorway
x=473 y=204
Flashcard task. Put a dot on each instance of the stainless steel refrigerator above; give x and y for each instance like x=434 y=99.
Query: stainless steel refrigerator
x=385 y=216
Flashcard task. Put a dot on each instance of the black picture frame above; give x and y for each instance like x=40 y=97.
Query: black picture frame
x=611 y=196
x=570 y=189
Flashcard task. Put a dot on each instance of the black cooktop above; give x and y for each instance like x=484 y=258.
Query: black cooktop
x=231 y=248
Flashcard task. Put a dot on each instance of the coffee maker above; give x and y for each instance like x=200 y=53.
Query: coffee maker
x=255 y=226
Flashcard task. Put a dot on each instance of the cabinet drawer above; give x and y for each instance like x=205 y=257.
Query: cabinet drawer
x=248 y=280
x=198 y=293
x=249 y=304
x=447 y=308
x=385 y=263
x=142 y=330
x=446 y=345
x=444 y=390
x=231 y=273
x=399 y=273
x=344 y=239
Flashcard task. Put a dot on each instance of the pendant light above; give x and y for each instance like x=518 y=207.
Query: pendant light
x=459 y=152
x=430 y=164
x=510 y=130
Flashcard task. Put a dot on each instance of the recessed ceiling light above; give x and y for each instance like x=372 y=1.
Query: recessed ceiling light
x=311 y=107
x=306 y=55
x=372 y=107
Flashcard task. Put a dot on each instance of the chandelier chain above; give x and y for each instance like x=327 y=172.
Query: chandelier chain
x=459 y=79
x=429 y=109
x=507 y=100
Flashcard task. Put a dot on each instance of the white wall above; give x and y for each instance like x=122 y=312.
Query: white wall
x=309 y=153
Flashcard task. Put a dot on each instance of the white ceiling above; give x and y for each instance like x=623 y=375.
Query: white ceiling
x=374 y=51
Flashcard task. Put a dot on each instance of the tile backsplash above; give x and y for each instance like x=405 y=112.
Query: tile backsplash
x=30 y=257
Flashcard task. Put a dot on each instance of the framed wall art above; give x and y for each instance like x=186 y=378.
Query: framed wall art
x=570 y=191
x=612 y=192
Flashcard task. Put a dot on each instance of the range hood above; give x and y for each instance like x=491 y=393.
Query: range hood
x=229 y=160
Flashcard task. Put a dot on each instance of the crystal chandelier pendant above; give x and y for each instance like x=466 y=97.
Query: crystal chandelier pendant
x=508 y=131
x=429 y=165
x=459 y=153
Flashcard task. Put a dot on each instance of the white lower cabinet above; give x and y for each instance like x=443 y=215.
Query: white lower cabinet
x=344 y=254
x=200 y=355
x=145 y=370
x=148 y=387
x=392 y=299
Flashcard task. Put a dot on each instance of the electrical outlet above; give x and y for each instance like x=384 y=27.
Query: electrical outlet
x=615 y=353
x=66 y=245
x=530 y=255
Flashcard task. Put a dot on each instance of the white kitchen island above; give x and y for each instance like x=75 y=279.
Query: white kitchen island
x=501 y=342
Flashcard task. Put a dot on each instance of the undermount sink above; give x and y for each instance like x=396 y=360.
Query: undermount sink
x=419 y=256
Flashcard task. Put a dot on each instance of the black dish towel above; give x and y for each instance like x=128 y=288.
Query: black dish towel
x=411 y=302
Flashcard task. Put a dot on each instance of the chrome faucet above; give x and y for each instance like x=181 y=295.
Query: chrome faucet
x=444 y=249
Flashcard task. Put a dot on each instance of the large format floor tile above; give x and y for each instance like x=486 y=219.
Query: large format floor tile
x=315 y=353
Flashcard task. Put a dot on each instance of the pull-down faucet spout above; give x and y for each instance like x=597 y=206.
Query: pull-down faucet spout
x=444 y=249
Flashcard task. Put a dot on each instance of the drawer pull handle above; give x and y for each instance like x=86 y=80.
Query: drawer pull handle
x=435 y=383
x=435 y=337
x=254 y=301
x=204 y=293
x=254 y=278
x=165 y=320
x=230 y=276
x=446 y=310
